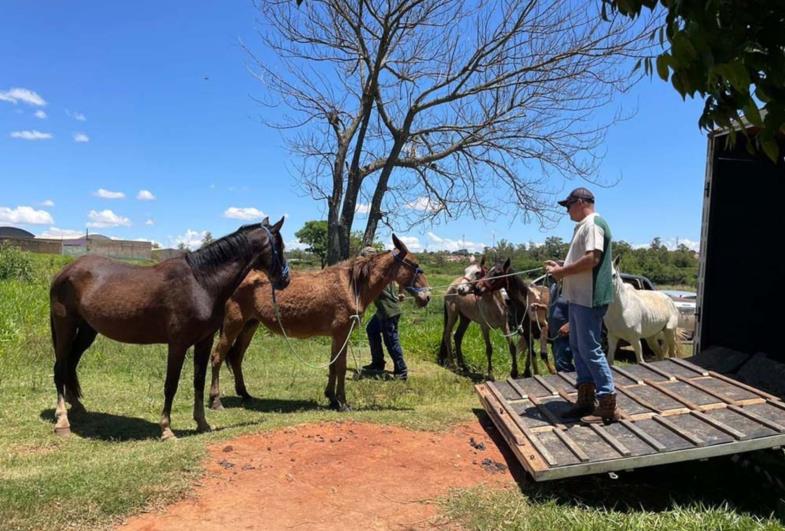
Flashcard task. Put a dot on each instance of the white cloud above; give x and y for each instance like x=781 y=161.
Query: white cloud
x=362 y=208
x=246 y=214
x=61 y=234
x=423 y=203
x=106 y=218
x=31 y=135
x=48 y=203
x=40 y=114
x=25 y=215
x=412 y=243
x=145 y=195
x=15 y=95
x=81 y=138
x=76 y=115
x=149 y=222
x=103 y=193
x=445 y=244
x=192 y=239
x=295 y=244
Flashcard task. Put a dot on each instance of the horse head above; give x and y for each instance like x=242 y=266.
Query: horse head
x=495 y=279
x=409 y=275
x=271 y=260
x=472 y=274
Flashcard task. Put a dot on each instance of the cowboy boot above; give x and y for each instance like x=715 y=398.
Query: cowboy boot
x=584 y=405
x=606 y=412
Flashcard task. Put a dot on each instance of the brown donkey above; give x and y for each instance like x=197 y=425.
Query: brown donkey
x=180 y=302
x=319 y=303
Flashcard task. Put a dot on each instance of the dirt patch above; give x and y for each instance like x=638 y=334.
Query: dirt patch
x=334 y=476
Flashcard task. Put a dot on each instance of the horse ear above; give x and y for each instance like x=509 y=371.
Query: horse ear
x=277 y=226
x=507 y=264
x=266 y=221
x=400 y=246
x=616 y=262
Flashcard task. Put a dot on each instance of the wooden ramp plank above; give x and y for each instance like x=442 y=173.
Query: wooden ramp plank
x=677 y=413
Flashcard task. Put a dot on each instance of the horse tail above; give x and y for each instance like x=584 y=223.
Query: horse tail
x=682 y=334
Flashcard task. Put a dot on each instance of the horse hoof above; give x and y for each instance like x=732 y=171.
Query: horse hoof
x=344 y=408
x=216 y=405
x=203 y=428
x=63 y=431
x=490 y=378
x=77 y=410
x=168 y=435
x=245 y=396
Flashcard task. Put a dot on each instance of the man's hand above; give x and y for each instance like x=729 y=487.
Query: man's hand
x=554 y=269
x=565 y=329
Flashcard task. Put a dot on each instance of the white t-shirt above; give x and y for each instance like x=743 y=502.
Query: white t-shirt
x=588 y=236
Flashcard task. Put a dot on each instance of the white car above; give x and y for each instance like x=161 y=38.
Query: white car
x=686 y=303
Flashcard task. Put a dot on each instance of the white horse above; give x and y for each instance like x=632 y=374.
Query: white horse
x=640 y=314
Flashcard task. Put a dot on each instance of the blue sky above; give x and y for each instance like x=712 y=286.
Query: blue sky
x=154 y=101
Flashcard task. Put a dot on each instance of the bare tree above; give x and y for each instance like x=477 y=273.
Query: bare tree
x=441 y=108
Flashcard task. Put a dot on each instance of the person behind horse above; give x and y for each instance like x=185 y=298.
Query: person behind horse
x=588 y=286
x=384 y=326
x=558 y=320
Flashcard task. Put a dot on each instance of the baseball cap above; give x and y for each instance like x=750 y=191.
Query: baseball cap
x=578 y=193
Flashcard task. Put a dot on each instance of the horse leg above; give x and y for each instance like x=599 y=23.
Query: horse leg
x=486 y=336
x=336 y=382
x=63 y=331
x=524 y=352
x=463 y=324
x=544 y=333
x=329 y=391
x=636 y=345
x=174 y=365
x=201 y=360
x=84 y=338
x=236 y=355
x=445 y=349
x=513 y=355
x=613 y=342
x=655 y=346
x=670 y=341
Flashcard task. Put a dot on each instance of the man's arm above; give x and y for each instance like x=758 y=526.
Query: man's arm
x=586 y=262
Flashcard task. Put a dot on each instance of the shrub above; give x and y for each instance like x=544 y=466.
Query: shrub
x=15 y=264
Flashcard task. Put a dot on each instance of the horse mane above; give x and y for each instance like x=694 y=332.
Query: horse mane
x=206 y=260
x=361 y=268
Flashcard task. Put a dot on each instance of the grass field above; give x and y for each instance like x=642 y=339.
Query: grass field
x=114 y=464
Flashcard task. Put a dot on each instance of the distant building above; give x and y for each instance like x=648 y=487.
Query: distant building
x=92 y=244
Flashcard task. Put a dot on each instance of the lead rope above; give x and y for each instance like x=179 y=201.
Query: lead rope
x=355 y=319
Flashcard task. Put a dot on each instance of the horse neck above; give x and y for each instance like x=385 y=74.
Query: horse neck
x=382 y=273
x=226 y=277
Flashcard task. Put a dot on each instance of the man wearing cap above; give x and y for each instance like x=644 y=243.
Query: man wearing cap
x=588 y=286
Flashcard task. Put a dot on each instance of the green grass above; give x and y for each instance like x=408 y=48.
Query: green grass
x=114 y=464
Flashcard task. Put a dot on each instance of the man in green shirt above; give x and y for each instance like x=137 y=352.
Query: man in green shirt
x=384 y=326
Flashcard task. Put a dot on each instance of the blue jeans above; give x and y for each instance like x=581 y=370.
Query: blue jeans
x=591 y=364
x=386 y=329
x=562 y=353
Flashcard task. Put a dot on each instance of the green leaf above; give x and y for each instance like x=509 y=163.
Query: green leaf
x=751 y=112
x=771 y=149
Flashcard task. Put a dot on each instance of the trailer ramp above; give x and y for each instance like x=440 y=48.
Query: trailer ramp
x=672 y=411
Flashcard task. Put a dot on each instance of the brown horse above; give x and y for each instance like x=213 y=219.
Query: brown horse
x=319 y=303
x=179 y=302
x=527 y=312
x=465 y=302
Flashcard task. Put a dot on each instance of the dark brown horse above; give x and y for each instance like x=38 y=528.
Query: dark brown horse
x=527 y=312
x=179 y=302
x=318 y=303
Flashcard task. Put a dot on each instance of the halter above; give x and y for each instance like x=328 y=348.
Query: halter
x=411 y=288
x=276 y=262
